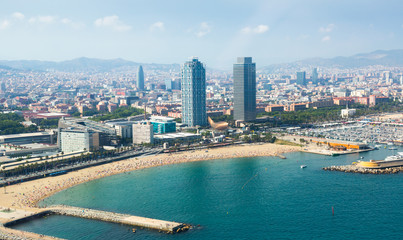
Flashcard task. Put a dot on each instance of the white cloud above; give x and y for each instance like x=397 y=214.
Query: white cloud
x=203 y=29
x=18 y=15
x=42 y=19
x=4 y=24
x=326 y=39
x=157 y=26
x=261 y=29
x=257 y=30
x=71 y=23
x=112 y=22
x=327 y=29
x=66 y=21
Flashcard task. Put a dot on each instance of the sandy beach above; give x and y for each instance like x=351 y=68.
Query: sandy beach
x=25 y=196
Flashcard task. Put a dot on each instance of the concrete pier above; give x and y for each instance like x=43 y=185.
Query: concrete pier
x=161 y=225
x=328 y=152
x=17 y=217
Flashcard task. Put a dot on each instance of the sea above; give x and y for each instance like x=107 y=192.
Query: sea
x=241 y=198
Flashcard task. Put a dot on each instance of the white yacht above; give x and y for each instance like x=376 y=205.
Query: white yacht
x=397 y=157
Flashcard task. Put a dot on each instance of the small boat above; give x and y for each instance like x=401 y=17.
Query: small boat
x=303 y=166
x=392 y=148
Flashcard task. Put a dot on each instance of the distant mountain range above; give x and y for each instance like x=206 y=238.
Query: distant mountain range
x=387 y=58
x=84 y=65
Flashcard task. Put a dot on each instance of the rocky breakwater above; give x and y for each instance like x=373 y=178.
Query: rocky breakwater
x=355 y=169
x=161 y=225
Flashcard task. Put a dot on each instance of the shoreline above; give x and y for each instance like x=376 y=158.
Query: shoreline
x=27 y=195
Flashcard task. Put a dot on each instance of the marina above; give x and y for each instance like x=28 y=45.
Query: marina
x=363 y=132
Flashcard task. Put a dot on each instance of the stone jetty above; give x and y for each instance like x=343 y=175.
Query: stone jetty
x=165 y=226
x=355 y=169
x=161 y=225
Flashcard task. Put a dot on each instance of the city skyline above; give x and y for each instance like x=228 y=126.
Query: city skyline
x=205 y=118
x=272 y=32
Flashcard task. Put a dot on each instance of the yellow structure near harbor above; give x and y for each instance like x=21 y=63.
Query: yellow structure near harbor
x=370 y=164
x=337 y=144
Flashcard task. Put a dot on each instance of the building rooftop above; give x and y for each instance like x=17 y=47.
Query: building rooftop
x=53 y=114
x=243 y=60
x=21 y=135
x=175 y=135
x=162 y=119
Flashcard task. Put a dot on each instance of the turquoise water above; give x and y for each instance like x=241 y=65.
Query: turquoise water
x=244 y=198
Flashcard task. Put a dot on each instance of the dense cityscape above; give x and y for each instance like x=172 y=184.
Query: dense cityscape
x=51 y=114
x=205 y=147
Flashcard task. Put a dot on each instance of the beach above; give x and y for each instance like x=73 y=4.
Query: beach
x=26 y=195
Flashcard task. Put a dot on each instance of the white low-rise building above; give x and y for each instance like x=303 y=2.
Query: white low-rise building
x=143 y=132
x=77 y=140
x=347 y=113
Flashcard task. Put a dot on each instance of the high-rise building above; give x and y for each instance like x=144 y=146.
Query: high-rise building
x=168 y=84
x=176 y=84
x=140 y=79
x=301 y=78
x=194 y=93
x=3 y=87
x=245 y=89
x=314 y=77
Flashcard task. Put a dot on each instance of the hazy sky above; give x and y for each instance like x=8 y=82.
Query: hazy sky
x=217 y=31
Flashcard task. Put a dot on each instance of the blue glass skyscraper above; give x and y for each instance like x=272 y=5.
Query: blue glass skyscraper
x=301 y=78
x=245 y=89
x=168 y=84
x=140 y=79
x=194 y=93
x=314 y=77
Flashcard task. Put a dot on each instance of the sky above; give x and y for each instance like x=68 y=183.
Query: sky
x=216 y=31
